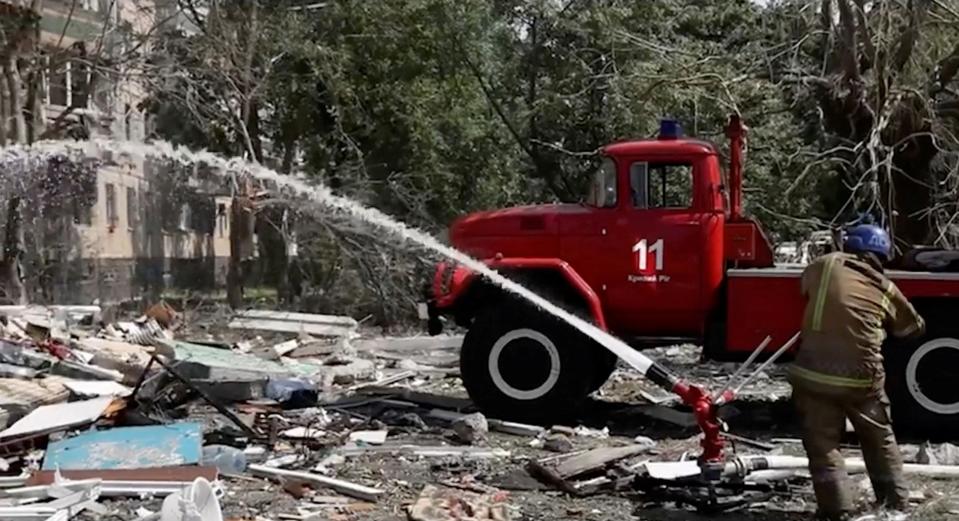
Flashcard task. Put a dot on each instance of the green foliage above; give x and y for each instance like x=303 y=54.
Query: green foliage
x=429 y=109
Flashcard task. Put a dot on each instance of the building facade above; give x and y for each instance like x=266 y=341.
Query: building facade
x=129 y=225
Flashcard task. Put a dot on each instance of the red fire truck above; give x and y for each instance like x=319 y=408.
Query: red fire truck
x=659 y=252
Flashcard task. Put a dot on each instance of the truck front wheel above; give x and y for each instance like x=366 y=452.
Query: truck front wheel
x=521 y=364
x=922 y=388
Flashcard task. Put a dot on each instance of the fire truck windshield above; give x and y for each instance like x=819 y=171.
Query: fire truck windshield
x=602 y=188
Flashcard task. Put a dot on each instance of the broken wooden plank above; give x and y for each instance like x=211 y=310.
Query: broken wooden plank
x=343 y=487
x=186 y=474
x=597 y=459
x=282 y=326
x=549 y=476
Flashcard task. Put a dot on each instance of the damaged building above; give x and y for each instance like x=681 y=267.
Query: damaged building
x=112 y=228
x=116 y=228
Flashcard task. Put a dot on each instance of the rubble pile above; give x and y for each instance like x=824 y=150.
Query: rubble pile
x=299 y=417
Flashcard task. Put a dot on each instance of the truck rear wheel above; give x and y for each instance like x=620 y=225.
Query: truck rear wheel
x=521 y=364
x=920 y=380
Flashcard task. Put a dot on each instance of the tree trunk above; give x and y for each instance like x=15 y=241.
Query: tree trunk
x=4 y=115
x=234 y=276
x=35 y=109
x=15 y=94
x=12 y=251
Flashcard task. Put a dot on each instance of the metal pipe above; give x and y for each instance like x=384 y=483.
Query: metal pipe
x=736 y=133
x=750 y=464
x=767 y=363
x=740 y=369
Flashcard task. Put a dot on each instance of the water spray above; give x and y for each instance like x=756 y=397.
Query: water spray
x=703 y=405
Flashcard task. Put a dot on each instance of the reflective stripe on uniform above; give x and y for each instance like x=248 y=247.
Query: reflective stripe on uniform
x=821 y=295
x=886 y=301
x=828 y=379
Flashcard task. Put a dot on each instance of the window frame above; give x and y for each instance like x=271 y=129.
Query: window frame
x=110 y=202
x=661 y=197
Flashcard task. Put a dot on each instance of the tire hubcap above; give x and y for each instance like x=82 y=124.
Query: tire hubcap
x=524 y=364
x=928 y=375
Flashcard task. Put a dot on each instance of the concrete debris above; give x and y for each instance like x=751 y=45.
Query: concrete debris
x=471 y=428
x=283 y=424
x=278 y=321
x=600 y=434
x=445 y=504
x=368 y=437
x=558 y=443
x=646 y=441
x=942 y=454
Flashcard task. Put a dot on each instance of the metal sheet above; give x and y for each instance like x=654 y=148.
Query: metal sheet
x=128 y=448
x=50 y=418
x=214 y=358
x=672 y=469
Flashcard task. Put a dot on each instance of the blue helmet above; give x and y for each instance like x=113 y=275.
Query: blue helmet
x=868 y=238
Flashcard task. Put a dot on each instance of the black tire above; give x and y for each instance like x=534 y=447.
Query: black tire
x=921 y=381
x=547 y=371
x=604 y=364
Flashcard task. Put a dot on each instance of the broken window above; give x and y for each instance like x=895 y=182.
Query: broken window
x=661 y=185
x=221 y=218
x=80 y=84
x=67 y=82
x=57 y=83
x=111 y=203
x=132 y=216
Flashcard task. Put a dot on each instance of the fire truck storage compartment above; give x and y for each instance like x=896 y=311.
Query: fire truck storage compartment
x=760 y=302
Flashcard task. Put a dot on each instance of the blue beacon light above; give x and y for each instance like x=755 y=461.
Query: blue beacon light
x=670 y=129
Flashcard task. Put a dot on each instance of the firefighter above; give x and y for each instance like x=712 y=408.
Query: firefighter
x=838 y=371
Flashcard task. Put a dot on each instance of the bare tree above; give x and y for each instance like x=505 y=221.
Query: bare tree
x=885 y=101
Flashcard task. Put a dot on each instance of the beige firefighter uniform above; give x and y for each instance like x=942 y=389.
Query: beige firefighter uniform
x=838 y=374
